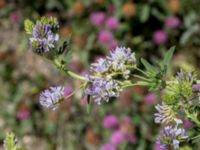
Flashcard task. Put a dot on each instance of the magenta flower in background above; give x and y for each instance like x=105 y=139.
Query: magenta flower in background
x=187 y=124
x=68 y=90
x=160 y=37
x=150 y=98
x=108 y=147
x=117 y=137
x=97 y=18
x=196 y=86
x=15 y=17
x=126 y=119
x=159 y=147
x=23 y=114
x=105 y=37
x=84 y=101
x=112 y=23
x=110 y=122
x=172 y=22
x=131 y=138
x=113 y=44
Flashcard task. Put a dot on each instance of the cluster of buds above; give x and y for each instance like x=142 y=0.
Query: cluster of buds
x=179 y=98
x=44 y=34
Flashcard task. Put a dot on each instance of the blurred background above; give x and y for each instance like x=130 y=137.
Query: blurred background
x=95 y=27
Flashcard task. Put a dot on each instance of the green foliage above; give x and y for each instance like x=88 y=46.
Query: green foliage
x=10 y=143
x=64 y=46
x=28 y=26
x=171 y=98
x=148 y=66
x=154 y=76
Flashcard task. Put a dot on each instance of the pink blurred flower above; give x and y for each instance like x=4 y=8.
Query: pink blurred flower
x=117 y=137
x=150 y=98
x=159 y=147
x=23 y=114
x=68 y=90
x=126 y=119
x=105 y=37
x=187 y=124
x=97 y=18
x=196 y=86
x=131 y=138
x=172 y=22
x=84 y=101
x=160 y=37
x=113 y=44
x=112 y=23
x=108 y=147
x=110 y=121
x=15 y=17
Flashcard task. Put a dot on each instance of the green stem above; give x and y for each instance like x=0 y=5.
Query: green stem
x=140 y=77
x=76 y=76
x=140 y=83
x=58 y=64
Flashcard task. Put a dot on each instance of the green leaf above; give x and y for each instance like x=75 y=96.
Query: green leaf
x=145 y=13
x=168 y=56
x=148 y=66
x=28 y=26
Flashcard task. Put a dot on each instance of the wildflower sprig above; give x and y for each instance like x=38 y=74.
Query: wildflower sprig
x=110 y=75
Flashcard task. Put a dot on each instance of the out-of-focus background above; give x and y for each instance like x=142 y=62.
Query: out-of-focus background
x=95 y=27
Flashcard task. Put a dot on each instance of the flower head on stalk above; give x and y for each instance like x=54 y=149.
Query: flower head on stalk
x=105 y=74
x=102 y=89
x=121 y=59
x=165 y=114
x=51 y=97
x=44 y=34
x=171 y=136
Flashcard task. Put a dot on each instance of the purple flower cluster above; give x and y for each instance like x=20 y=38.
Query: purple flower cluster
x=44 y=37
x=51 y=97
x=170 y=136
x=120 y=58
x=103 y=83
x=102 y=90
